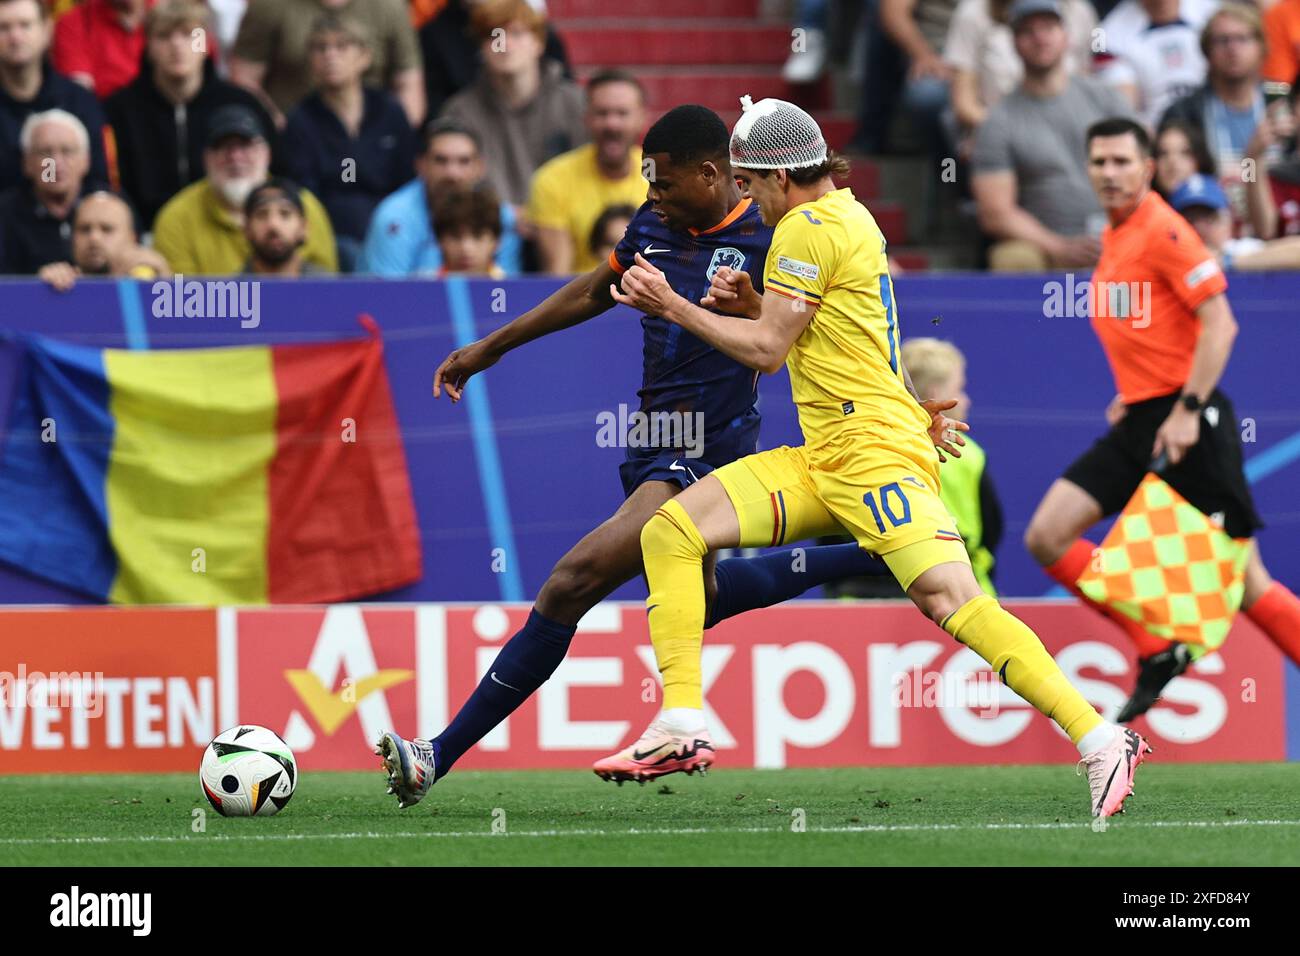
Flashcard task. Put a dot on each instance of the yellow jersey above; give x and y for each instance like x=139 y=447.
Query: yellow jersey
x=846 y=366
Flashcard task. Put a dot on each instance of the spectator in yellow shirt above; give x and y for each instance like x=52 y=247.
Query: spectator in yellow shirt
x=571 y=191
x=200 y=231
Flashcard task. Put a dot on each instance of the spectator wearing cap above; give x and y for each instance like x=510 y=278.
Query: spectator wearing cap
x=1030 y=179
x=569 y=193
x=1204 y=204
x=104 y=243
x=401 y=240
x=272 y=53
x=467 y=223
x=352 y=144
x=201 y=230
x=982 y=54
x=159 y=120
x=275 y=226
x=1230 y=107
x=98 y=43
x=29 y=85
x=36 y=214
x=522 y=109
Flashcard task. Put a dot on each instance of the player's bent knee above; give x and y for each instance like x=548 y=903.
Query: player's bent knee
x=671 y=531
x=574 y=586
x=938 y=593
x=939 y=607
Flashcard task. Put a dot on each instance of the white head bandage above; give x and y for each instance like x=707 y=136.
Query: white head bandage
x=774 y=134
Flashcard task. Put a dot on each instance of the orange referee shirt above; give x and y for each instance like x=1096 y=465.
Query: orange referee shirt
x=1282 y=33
x=1153 y=274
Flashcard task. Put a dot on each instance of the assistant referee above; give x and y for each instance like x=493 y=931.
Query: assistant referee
x=1161 y=313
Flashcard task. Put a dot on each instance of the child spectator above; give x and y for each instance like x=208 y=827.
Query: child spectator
x=607 y=230
x=468 y=226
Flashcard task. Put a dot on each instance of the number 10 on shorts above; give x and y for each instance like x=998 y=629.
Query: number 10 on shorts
x=886 y=507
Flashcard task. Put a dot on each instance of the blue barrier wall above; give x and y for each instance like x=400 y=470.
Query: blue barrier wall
x=517 y=466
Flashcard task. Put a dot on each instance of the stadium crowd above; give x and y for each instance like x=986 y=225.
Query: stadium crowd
x=430 y=137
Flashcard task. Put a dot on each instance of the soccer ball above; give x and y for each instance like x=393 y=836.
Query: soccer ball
x=248 y=771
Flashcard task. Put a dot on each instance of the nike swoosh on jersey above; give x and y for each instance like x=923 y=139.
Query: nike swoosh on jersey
x=651 y=250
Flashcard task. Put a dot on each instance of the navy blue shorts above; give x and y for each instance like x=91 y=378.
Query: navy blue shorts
x=681 y=471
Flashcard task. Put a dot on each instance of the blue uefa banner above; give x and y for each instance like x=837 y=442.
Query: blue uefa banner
x=508 y=479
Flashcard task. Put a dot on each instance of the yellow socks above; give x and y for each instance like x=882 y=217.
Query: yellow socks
x=674 y=550
x=1018 y=656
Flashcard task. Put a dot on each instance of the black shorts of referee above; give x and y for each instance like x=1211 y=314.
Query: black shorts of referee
x=1210 y=475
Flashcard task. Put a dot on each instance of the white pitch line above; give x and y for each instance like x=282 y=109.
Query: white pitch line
x=665 y=831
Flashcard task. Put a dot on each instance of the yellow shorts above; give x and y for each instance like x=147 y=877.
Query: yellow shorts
x=889 y=505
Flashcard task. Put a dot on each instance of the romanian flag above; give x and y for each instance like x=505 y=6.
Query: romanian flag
x=1167 y=566
x=241 y=475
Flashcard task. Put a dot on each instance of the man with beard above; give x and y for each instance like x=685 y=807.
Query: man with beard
x=1030 y=181
x=570 y=192
x=104 y=244
x=159 y=119
x=201 y=229
x=275 y=226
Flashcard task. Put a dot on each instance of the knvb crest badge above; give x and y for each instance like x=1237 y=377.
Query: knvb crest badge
x=728 y=256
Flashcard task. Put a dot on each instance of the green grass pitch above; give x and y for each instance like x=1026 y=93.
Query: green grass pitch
x=1182 y=814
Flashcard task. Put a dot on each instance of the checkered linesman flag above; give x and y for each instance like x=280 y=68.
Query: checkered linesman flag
x=1166 y=565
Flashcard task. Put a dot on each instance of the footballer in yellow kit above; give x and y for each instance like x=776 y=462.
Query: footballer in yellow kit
x=869 y=464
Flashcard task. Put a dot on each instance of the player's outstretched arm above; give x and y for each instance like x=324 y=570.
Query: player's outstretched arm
x=586 y=297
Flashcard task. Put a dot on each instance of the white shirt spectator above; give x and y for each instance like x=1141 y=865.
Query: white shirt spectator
x=979 y=44
x=1162 y=63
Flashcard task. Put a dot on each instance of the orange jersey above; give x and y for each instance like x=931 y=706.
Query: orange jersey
x=1153 y=274
x=1282 y=31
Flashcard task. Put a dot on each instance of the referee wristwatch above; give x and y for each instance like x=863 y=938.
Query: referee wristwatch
x=1190 y=402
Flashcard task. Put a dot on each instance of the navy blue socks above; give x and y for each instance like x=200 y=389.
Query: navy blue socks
x=748 y=583
x=524 y=664
x=530 y=657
